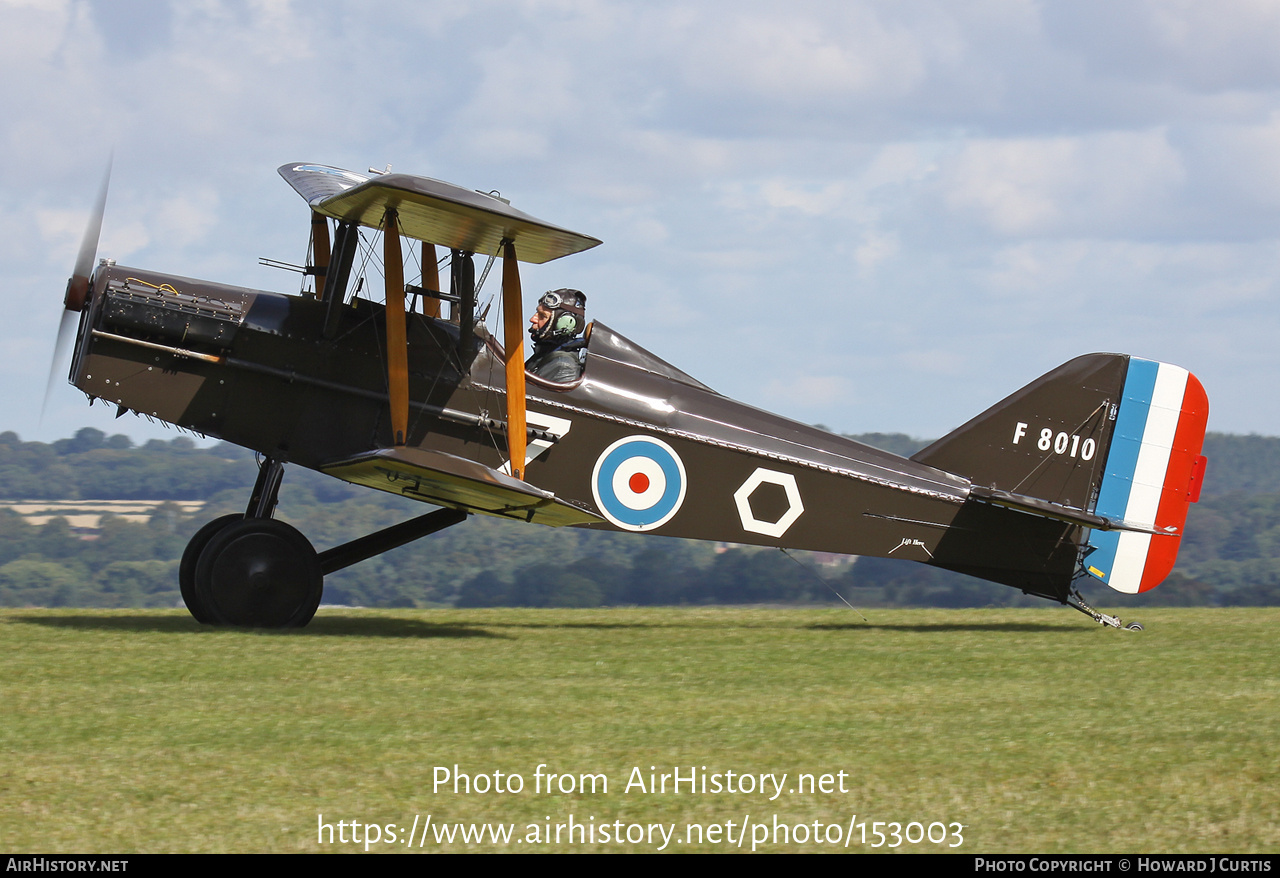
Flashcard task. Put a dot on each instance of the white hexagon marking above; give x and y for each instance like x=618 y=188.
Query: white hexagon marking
x=742 y=498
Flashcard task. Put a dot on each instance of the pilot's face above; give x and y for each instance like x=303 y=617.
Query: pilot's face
x=539 y=318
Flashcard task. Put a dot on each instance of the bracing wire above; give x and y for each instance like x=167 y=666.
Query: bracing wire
x=815 y=575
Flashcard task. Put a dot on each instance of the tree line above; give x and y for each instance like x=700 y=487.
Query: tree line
x=1230 y=555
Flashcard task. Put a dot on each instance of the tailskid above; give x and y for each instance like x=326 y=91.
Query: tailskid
x=1077 y=601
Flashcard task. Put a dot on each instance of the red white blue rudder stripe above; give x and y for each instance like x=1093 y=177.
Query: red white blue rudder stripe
x=1152 y=475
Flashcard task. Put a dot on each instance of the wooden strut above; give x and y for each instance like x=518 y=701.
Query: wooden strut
x=320 y=250
x=430 y=280
x=513 y=338
x=397 y=339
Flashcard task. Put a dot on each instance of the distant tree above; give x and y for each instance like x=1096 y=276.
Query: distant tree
x=485 y=589
x=533 y=585
x=607 y=576
x=907 y=583
x=118 y=540
x=16 y=536
x=86 y=439
x=896 y=443
x=1230 y=553
x=55 y=539
x=30 y=582
x=746 y=576
x=569 y=589
x=140 y=583
x=1247 y=464
x=1177 y=590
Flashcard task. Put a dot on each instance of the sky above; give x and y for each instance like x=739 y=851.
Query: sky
x=878 y=216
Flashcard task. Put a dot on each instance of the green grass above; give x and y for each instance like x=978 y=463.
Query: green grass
x=138 y=731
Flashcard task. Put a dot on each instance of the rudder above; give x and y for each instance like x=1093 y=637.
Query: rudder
x=1153 y=474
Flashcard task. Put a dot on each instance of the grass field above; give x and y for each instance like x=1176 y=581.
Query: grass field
x=1038 y=731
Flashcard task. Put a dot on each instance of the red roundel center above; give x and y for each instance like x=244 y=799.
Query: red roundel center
x=638 y=483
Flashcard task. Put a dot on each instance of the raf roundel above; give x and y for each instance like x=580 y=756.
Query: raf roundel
x=639 y=483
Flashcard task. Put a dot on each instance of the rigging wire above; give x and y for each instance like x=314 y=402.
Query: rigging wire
x=369 y=253
x=815 y=575
x=491 y=396
x=370 y=259
x=310 y=260
x=480 y=285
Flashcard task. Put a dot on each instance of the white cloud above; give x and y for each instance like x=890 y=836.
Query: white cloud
x=806 y=58
x=33 y=32
x=928 y=186
x=815 y=392
x=1206 y=47
x=875 y=248
x=185 y=219
x=1116 y=183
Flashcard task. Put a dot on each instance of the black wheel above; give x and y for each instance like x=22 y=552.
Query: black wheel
x=1133 y=626
x=259 y=573
x=187 y=569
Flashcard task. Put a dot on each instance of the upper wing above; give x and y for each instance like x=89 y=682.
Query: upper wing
x=434 y=211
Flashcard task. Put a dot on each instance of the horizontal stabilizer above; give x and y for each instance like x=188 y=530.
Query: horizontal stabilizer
x=433 y=211
x=446 y=480
x=1070 y=514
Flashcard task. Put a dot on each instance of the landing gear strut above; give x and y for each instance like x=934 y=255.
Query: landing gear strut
x=253 y=571
x=1076 y=601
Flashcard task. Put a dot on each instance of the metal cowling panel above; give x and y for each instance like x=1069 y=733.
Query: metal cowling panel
x=179 y=318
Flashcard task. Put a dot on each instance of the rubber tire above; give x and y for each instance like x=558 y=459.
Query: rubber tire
x=259 y=573
x=187 y=569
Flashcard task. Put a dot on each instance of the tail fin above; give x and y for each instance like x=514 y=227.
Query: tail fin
x=1107 y=442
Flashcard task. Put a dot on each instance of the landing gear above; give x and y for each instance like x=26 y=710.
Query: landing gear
x=1076 y=601
x=187 y=569
x=258 y=572
x=253 y=571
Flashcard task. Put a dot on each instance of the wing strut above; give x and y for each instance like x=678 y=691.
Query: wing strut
x=430 y=280
x=462 y=280
x=319 y=250
x=345 y=244
x=513 y=336
x=397 y=342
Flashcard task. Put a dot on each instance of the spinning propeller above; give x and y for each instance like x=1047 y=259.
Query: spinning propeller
x=77 y=286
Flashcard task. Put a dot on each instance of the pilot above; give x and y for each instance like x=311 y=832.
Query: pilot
x=554 y=327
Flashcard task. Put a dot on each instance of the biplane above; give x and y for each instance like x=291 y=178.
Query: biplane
x=1086 y=472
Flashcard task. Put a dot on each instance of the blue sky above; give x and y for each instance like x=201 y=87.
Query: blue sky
x=880 y=216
